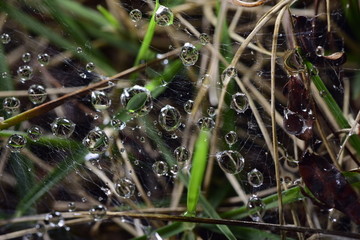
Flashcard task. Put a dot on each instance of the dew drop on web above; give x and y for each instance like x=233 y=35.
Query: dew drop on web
x=204 y=38
x=98 y=212
x=188 y=106
x=11 y=105
x=164 y=16
x=169 y=118
x=5 y=38
x=189 y=54
x=255 y=178
x=256 y=208
x=125 y=188
x=62 y=127
x=37 y=94
x=239 y=102
x=43 y=59
x=160 y=168
x=100 y=100
x=135 y=15
x=26 y=57
x=137 y=101
x=54 y=219
x=25 y=73
x=34 y=133
x=231 y=138
x=230 y=161
x=206 y=123
x=96 y=141
x=16 y=142
x=181 y=155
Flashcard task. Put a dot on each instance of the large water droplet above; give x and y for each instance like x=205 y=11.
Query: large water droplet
x=125 y=188
x=231 y=138
x=160 y=168
x=96 y=141
x=25 y=72
x=62 y=127
x=189 y=54
x=206 y=123
x=16 y=143
x=34 y=133
x=37 y=94
x=181 y=155
x=26 y=57
x=164 y=16
x=255 y=178
x=188 y=106
x=100 y=100
x=204 y=38
x=54 y=219
x=137 y=101
x=169 y=118
x=43 y=59
x=293 y=123
x=230 y=161
x=239 y=102
x=256 y=208
x=211 y=111
x=135 y=15
x=98 y=212
x=5 y=38
x=11 y=105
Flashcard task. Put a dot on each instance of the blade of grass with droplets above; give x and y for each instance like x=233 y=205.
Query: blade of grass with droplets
x=331 y=103
x=63 y=169
x=144 y=49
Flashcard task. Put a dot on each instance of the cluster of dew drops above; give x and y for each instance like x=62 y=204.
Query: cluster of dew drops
x=169 y=118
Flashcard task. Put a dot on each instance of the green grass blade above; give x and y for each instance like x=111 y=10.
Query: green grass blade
x=109 y=17
x=197 y=171
x=61 y=171
x=148 y=37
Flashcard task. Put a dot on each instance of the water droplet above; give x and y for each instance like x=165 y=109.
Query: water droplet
x=71 y=206
x=169 y=118
x=100 y=100
x=256 y=208
x=323 y=93
x=79 y=50
x=160 y=168
x=204 y=38
x=54 y=219
x=90 y=66
x=135 y=15
x=319 y=51
x=62 y=127
x=98 y=212
x=43 y=59
x=188 y=106
x=174 y=169
x=211 y=111
x=25 y=72
x=164 y=16
x=229 y=73
x=255 y=178
x=206 y=123
x=5 y=38
x=125 y=188
x=37 y=94
x=181 y=155
x=4 y=75
x=230 y=161
x=26 y=57
x=189 y=54
x=137 y=101
x=231 y=138
x=96 y=141
x=83 y=75
x=34 y=133
x=16 y=143
x=118 y=124
x=11 y=105
x=239 y=102
x=41 y=229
